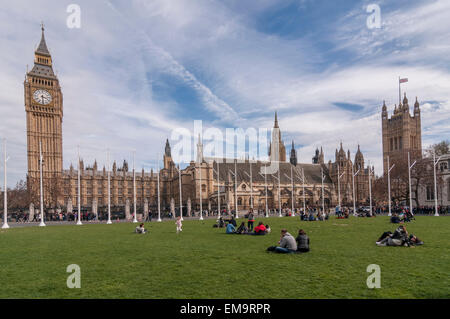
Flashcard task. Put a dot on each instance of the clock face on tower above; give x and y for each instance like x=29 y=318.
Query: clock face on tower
x=42 y=97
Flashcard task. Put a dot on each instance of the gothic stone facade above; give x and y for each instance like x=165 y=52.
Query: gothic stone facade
x=402 y=133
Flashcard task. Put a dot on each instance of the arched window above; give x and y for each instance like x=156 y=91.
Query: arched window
x=239 y=201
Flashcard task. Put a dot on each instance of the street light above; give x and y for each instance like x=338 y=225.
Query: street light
x=79 y=189
x=370 y=188
x=159 y=201
x=265 y=184
x=41 y=224
x=181 y=198
x=354 y=197
x=339 y=186
x=5 y=193
x=134 y=189
x=409 y=180
x=389 y=184
x=302 y=179
x=279 y=192
x=435 y=183
x=323 y=201
x=292 y=190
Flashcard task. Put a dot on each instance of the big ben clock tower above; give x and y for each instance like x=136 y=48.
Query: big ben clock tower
x=44 y=109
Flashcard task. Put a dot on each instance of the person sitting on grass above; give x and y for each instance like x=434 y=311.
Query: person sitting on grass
x=302 y=241
x=242 y=229
x=221 y=223
x=230 y=228
x=395 y=219
x=287 y=243
x=260 y=229
x=232 y=221
x=140 y=229
x=268 y=230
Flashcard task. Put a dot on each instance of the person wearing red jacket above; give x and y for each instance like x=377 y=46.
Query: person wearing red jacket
x=260 y=229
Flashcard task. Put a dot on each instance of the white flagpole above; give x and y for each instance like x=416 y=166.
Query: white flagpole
x=134 y=189
x=159 y=201
x=409 y=180
x=79 y=189
x=435 y=183
x=235 y=189
x=292 y=199
x=181 y=196
x=109 y=189
x=251 y=185
x=218 y=189
x=389 y=185
x=200 y=190
x=370 y=191
x=353 y=183
x=265 y=185
x=5 y=192
x=323 y=202
x=339 y=187
x=42 y=224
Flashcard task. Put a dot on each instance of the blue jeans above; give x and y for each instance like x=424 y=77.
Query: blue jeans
x=283 y=250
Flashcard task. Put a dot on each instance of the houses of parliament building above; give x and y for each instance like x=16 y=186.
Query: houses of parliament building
x=44 y=117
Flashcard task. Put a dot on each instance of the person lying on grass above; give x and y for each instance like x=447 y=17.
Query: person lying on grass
x=140 y=229
x=302 y=241
x=399 y=238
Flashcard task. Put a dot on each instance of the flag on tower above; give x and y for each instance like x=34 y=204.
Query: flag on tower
x=404 y=80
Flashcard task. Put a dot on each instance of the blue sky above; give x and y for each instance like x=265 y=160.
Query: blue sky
x=136 y=70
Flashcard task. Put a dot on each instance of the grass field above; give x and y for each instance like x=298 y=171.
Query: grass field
x=204 y=262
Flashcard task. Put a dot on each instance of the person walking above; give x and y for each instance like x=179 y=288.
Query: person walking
x=179 y=224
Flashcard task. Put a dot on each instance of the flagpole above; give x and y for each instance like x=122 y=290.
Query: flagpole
x=5 y=193
x=399 y=92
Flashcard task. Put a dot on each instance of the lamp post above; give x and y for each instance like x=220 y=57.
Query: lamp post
x=181 y=198
x=353 y=184
x=109 y=189
x=265 y=184
x=79 y=189
x=435 y=162
x=292 y=190
x=218 y=189
x=370 y=188
x=339 y=186
x=200 y=190
x=323 y=191
x=41 y=224
x=159 y=201
x=409 y=181
x=302 y=179
x=134 y=189
x=279 y=192
x=5 y=192
x=389 y=184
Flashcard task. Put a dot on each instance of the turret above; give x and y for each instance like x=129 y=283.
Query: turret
x=293 y=158
x=416 y=108
x=384 y=113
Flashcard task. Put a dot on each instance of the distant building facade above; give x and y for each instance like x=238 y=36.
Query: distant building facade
x=206 y=180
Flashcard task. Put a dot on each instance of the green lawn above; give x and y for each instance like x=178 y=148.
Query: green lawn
x=204 y=262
